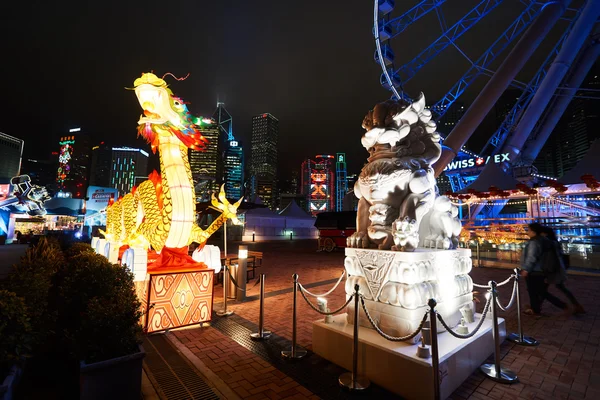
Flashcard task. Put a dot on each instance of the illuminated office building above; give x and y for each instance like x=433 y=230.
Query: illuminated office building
x=233 y=170
x=73 y=164
x=207 y=165
x=317 y=179
x=127 y=164
x=11 y=151
x=341 y=181
x=263 y=161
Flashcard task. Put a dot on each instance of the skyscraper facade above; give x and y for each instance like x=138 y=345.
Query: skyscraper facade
x=233 y=156
x=102 y=165
x=233 y=170
x=73 y=163
x=127 y=163
x=263 y=162
x=207 y=165
x=573 y=135
x=11 y=151
x=318 y=182
x=341 y=181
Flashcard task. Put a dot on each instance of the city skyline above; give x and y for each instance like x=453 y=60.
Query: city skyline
x=323 y=89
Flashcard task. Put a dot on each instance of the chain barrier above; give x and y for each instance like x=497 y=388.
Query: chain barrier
x=512 y=299
x=385 y=335
x=238 y=286
x=504 y=282
x=317 y=309
x=474 y=331
x=324 y=294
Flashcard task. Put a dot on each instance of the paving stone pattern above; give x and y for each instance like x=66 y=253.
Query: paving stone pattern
x=565 y=366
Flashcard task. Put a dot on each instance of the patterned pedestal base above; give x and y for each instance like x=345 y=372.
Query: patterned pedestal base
x=175 y=299
x=397 y=286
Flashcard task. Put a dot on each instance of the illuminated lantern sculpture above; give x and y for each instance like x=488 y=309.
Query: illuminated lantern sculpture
x=151 y=228
x=161 y=212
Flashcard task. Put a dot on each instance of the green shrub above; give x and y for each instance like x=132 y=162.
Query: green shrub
x=100 y=311
x=14 y=330
x=78 y=248
x=32 y=279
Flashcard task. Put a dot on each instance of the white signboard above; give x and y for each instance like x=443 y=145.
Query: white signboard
x=99 y=197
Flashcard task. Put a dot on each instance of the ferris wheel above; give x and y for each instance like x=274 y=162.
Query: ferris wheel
x=528 y=124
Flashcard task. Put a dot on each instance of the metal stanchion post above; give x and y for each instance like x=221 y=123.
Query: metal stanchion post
x=518 y=337
x=261 y=334
x=435 y=360
x=495 y=371
x=224 y=312
x=351 y=380
x=478 y=258
x=295 y=352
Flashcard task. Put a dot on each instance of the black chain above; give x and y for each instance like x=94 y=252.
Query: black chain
x=385 y=335
x=322 y=312
x=467 y=336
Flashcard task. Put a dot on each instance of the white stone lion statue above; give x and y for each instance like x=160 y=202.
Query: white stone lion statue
x=397 y=187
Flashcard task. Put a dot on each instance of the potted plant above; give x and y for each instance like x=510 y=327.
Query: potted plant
x=14 y=341
x=101 y=318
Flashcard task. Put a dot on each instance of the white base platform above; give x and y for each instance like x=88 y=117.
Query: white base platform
x=395 y=365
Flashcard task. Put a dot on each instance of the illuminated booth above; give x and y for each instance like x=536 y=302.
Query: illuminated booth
x=150 y=229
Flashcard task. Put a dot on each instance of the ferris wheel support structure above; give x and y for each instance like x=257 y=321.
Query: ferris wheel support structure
x=556 y=73
x=500 y=81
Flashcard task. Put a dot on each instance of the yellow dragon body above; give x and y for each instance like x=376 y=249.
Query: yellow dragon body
x=161 y=212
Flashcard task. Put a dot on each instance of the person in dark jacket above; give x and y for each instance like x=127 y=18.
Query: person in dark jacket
x=532 y=270
x=560 y=277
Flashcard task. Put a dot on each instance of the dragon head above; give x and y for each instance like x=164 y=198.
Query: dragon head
x=165 y=111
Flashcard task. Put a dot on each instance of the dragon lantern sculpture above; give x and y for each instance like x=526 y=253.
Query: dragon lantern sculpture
x=161 y=212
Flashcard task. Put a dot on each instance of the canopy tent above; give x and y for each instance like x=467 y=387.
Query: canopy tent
x=587 y=165
x=492 y=176
x=292 y=222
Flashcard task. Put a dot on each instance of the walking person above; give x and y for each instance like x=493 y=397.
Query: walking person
x=533 y=270
x=560 y=277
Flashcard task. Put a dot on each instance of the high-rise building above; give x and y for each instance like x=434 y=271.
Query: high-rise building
x=73 y=163
x=341 y=181
x=11 y=151
x=207 y=164
x=102 y=165
x=127 y=164
x=574 y=133
x=233 y=156
x=263 y=162
x=40 y=171
x=318 y=181
x=233 y=170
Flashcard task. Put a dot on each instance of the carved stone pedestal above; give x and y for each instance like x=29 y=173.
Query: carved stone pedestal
x=396 y=366
x=397 y=285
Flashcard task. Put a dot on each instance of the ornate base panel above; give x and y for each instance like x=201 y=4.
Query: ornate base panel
x=398 y=285
x=177 y=299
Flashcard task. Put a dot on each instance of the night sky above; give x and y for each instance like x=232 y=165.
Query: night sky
x=310 y=63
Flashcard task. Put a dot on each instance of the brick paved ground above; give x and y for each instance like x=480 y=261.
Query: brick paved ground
x=565 y=365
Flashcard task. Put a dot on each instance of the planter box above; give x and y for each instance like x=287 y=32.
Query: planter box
x=118 y=378
x=9 y=383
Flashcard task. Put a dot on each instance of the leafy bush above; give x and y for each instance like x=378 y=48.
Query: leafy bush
x=78 y=248
x=32 y=279
x=14 y=330
x=100 y=311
